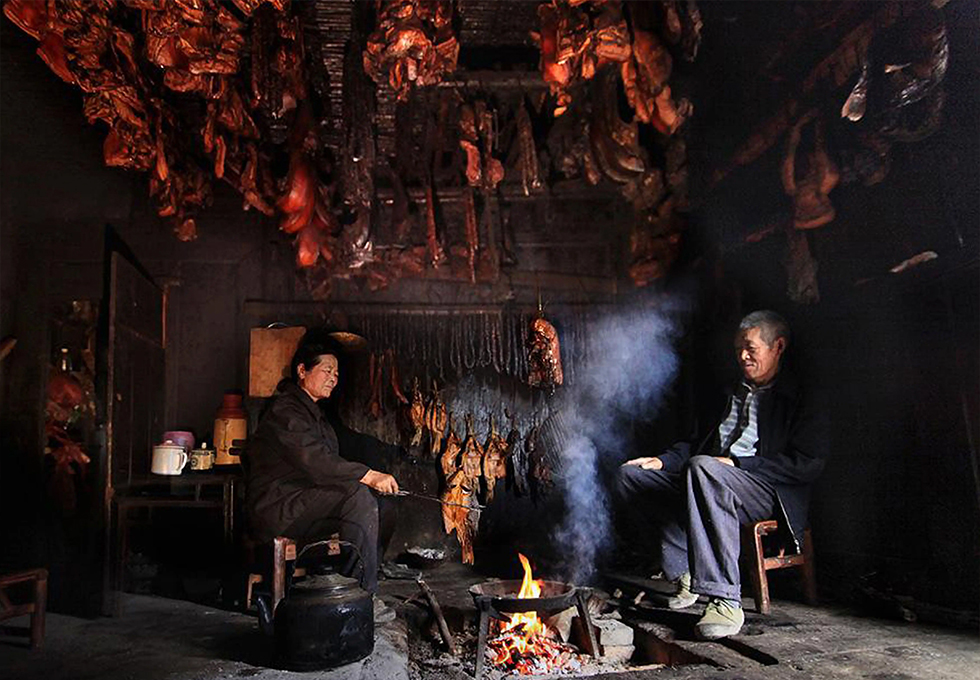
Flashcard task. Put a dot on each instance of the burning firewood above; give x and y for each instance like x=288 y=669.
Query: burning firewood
x=525 y=645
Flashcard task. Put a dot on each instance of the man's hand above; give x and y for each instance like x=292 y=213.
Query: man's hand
x=726 y=460
x=647 y=463
x=380 y=482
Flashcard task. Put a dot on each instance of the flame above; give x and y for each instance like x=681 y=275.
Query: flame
x=525 y=644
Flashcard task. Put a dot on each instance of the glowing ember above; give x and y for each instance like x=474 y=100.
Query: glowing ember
x=525 y=645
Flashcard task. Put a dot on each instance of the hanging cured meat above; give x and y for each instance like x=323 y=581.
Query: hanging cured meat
x=460 y=491
x=396 y=387
x=494 y=460
x=530 y=170
x=436 y=419
x=472 y=455
x=449 y=460
x=413 y=44
x=544 y=360
x=476 y=138
x=516 y=460
x=417 y=414
x=578 y=37
x=810 y=192
x=472 y=235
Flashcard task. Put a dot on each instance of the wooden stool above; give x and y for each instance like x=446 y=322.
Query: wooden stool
x=283 y=551
x=35 y=608
x=757 y=564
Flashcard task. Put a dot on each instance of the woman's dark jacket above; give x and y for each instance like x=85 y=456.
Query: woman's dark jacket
x=790 y=455
x=296 y=448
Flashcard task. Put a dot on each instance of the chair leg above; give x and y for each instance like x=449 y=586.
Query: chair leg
x=752 y=548
x=253 y=579
x=278 y=570
x=40 y=606
x=808 y=571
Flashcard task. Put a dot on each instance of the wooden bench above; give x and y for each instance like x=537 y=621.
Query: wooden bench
x=757 y=564
x=35 y=608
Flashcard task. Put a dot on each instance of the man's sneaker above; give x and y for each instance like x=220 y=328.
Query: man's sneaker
x=683 y=598
x=721 y=619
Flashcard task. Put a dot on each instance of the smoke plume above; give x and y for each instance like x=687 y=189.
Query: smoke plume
x=631 y=362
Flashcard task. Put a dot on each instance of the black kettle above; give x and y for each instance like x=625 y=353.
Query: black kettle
x=324 y=622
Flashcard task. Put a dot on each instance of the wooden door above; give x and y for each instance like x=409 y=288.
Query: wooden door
x=135 y=394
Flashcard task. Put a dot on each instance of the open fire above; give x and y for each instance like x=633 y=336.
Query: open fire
x=525 y=644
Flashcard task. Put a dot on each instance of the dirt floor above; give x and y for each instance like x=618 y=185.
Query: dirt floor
x=157 y=638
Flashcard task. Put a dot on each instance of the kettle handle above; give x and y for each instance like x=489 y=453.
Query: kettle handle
x=328 y=541
x=183 y=461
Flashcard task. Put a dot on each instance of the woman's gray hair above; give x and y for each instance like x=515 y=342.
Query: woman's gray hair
x=770 y=324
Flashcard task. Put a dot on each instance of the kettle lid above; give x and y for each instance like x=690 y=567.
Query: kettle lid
x=327 y=582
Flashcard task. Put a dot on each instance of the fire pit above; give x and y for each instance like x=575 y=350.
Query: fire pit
x=525 y=600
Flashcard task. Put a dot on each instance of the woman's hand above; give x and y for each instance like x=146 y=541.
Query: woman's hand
x=647 y=463
x=380 y=482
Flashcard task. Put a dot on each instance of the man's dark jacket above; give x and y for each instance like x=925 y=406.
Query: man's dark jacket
x=294 y=449
x=790 y=455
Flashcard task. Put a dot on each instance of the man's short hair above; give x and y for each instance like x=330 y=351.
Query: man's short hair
x=770 y=324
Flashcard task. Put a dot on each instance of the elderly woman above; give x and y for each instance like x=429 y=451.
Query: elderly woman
x=302 y=481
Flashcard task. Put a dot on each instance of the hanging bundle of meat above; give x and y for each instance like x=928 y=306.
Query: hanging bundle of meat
x=375 y=370
x=899 y=95
x=555 y=69
x=199 y=47
x=396 y=387
x=476 y=138
x=579 y=37
x=472 y=234
x=434 y=249
x=801 y=269
x=436 y=419
x=417 y=413
x=655 y=241
x=547 y=451
x=306 y=201
x=810 y=193
x=530 y=170
x=413 y=44
x=544 y=356
x=278 y=82
x=516 y=460
x=472 y=455
x=460 y=491
x=645 y=77
x=79 y=42
x=449 y=460
x=530 y=459
x=494 y=460
x=614 y=142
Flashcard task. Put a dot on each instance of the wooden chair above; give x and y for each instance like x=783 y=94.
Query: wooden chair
x=756 y=564
x=283 y=551
x=35 y=608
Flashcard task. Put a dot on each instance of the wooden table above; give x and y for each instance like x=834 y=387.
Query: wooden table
x=188 y=490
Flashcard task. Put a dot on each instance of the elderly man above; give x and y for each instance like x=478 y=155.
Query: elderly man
x=756 y=463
